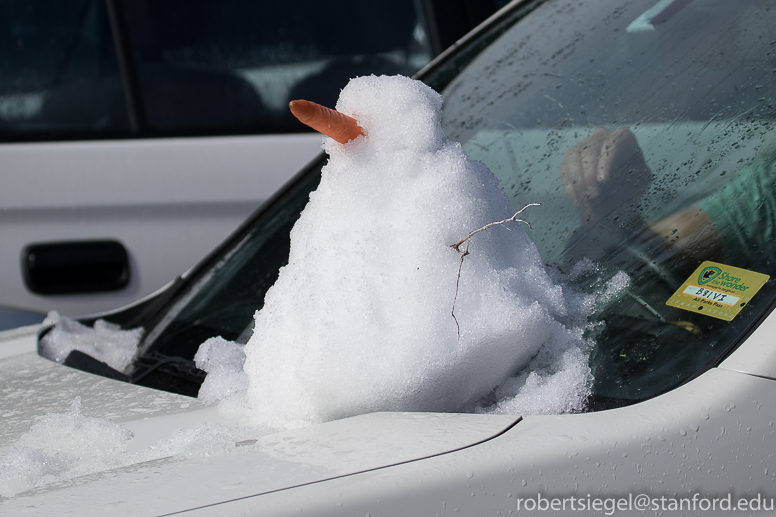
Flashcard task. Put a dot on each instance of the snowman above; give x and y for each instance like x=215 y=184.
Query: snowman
x=376 y=310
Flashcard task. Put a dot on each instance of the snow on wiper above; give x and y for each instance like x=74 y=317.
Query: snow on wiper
x=105 y=341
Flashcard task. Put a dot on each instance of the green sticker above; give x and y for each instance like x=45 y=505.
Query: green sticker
x=708 y=274
x=718 y=290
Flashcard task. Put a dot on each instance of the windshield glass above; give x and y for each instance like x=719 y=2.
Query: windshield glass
x=644 y=129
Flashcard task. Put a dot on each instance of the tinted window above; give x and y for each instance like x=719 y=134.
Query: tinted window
x=58 y=70
x=191 y=66
x=235 y=63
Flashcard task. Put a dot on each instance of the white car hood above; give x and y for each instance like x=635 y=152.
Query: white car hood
x=32 y=387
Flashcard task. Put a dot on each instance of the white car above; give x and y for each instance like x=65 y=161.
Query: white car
x=136 y=136
x=682 y=363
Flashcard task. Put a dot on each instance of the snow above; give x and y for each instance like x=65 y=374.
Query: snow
x=557 y=380
x=105 y=342
x=361 y=318
x=375 y=310
x=62 y=446
x=223 y=360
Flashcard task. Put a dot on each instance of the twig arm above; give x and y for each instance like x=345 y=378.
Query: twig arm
x=512 y=219
x=457 y=247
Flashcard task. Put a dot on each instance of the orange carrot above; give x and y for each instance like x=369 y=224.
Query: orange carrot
x=338 y=126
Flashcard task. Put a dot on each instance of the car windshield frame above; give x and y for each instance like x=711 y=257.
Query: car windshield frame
x=156 y=314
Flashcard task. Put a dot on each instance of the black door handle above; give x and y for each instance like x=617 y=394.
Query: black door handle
x=75 y=267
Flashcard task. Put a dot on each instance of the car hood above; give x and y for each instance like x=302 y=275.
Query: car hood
x=33 y=387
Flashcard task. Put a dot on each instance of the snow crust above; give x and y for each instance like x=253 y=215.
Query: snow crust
x=60 y=446
x=105 y=342
x=63 y=446
x=361 y=318
x=224 y=361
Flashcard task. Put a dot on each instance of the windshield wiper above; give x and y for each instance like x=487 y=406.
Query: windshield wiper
x=168 y=373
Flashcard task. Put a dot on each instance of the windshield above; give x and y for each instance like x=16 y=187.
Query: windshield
x=644 y=129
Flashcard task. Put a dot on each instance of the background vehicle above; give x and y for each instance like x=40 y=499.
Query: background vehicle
x=683 y=409
x=135 y=136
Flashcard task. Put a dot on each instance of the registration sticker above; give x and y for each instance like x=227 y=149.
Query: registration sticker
x=718 y=290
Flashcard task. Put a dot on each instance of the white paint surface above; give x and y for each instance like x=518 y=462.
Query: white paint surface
x=169 y=201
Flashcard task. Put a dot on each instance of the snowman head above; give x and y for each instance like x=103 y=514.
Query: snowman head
x=395 y=112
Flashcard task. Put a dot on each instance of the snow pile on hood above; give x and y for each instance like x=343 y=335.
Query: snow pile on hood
x=224 y=362
x=63 y=446
x=360 y=319
x=105 y=342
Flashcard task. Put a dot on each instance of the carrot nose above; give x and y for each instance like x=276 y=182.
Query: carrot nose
x=334 y=124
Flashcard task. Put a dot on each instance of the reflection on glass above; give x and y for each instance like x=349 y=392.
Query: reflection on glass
x=200 y=66
x=58 y=69
x=236 y=63
x=646 y=132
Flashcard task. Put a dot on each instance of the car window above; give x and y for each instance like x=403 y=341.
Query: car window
x=696 y=113
x=58 y=70
x=691 y=81
x=235 y=63
x=191 y=66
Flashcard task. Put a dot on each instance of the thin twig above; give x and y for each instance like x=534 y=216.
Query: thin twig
x=512 y=219
x=457 y=247
x=457 y=281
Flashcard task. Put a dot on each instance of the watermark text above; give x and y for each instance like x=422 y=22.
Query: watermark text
x=646 y=503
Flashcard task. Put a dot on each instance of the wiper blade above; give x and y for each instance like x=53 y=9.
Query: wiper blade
x=185 y=367
x=168 y=373
x=86 y=363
